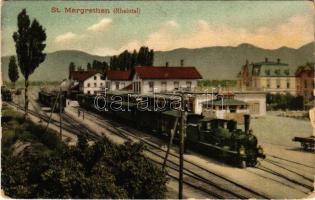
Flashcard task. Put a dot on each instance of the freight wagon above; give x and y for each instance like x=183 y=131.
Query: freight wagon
x=51 y=99
x=6 y=94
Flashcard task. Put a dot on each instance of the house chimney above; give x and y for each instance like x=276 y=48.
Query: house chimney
x=182 y=63
x=166 y=64
x=266 y=59
x=278 y=60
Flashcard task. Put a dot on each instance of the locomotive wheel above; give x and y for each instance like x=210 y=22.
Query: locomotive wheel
x=243 y=164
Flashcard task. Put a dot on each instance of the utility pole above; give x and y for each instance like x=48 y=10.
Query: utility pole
x=60 y=110
x=181 y=147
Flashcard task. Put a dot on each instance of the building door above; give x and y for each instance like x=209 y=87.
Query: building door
x=254 y=108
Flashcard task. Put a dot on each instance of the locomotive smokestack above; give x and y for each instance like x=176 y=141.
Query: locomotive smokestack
x=246 y=123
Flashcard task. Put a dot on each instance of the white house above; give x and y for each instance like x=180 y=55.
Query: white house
x=89 y=82
x=151 y=79
x=118 y=80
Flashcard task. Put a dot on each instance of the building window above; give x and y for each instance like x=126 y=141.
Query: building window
x=95 y=84
x=88 y=85
x=117 y=85
x=267 y=72
x=95 y=77
x=176 y=85
x=101 y=84
x=288 y=84
x=107 y=85
x=268 y=83
x=88 y=92
x=278 y=83
x=163 y=89
x=305 y=83
x=151 y=86
x=95 y=92
x=188 y=84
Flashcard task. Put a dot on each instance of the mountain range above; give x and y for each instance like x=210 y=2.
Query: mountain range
x=213 y=62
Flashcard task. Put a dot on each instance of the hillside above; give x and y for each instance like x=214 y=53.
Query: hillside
x=213 y=62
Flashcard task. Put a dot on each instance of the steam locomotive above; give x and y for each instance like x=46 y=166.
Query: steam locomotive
x=214 y=137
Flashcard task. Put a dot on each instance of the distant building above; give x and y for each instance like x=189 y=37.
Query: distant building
x=305 y=81
x=150 y=79
x=269 y=76
x=87 y=82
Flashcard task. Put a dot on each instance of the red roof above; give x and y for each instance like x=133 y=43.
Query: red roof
x=81 y=75
x=167 y=72
x=118 y=75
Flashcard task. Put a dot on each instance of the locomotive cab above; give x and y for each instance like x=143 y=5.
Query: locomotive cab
x=229 y=141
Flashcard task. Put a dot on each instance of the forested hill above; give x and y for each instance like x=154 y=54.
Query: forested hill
x=212 y=62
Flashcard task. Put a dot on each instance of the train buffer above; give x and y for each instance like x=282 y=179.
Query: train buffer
x=307 y=143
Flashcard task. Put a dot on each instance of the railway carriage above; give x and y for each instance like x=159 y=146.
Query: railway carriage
x=49 y=99
x=6 y=94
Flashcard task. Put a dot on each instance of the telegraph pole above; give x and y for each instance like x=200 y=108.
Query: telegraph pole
x=60 y=110
x=181 y=147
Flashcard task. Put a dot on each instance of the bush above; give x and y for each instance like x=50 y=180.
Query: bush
x=284 y=102
x=48 y=168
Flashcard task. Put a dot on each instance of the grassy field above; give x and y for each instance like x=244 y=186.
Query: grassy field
x=16 y=128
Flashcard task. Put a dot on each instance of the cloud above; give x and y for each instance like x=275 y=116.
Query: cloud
x=65 y=38
x=104 y=51
x=162 y=39
x=101 y=25
x=294 y=32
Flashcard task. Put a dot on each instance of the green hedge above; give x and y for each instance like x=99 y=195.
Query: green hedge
x=284 y=102
x=51 y=169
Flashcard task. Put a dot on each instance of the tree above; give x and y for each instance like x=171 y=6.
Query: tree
x=13 y=71
x=71 y=68
x=150 y=59
x=80 y=68
x=29 y=44
x=88 y=66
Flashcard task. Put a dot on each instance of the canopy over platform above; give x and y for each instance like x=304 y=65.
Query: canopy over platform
x=225 y=102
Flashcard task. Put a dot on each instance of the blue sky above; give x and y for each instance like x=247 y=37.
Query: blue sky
x=165 y=25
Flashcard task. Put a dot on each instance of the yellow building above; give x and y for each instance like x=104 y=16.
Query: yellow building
x=268 y=76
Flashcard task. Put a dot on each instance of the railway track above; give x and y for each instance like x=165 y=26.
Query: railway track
x=240 y=191
x=193 y=179
x=77 y=128
x=206 y=187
